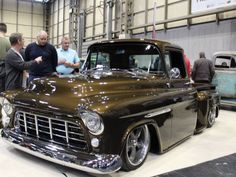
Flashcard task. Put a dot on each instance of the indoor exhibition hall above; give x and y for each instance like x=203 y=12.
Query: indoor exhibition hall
x=117 y=88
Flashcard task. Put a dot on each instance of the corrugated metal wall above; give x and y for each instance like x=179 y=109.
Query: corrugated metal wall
x=58 y=21
x=209 y=37
x=169 y=14
x=210 y=33
x=204 y=33
x=22 y=16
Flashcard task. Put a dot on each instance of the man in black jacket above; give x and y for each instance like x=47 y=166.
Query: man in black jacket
x=41 y=48
x=15 y=64
x=203 y=70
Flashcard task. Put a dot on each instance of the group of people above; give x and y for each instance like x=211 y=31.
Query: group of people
x=19 y=66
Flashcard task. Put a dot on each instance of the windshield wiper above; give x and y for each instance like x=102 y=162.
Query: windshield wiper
x=100 y=68
x=138 y=70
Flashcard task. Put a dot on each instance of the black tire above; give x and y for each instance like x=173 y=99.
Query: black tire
x=136 y=148
x=211 y=116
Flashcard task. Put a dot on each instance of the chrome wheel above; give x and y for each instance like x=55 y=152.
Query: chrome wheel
x=137 y=147
x=211 y=116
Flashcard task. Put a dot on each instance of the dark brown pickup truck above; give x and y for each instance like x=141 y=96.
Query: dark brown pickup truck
x=131 y=96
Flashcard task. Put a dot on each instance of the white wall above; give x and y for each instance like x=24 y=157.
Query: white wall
x=24 y=17
x=59 y=21
x=28 y=18
x=209 y=38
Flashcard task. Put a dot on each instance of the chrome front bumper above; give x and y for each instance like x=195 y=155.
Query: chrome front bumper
x=93 y=163
x=228 y=102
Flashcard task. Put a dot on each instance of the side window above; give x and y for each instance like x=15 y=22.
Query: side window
x=233 y=63
x=103 y=60
x=174 y=59
x=168 y=62
x=225 y=62
x=156 y=64
x=150 y=63
x=93 y=59
x=99 y=59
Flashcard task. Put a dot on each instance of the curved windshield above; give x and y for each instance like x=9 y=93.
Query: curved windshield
x=129 y=56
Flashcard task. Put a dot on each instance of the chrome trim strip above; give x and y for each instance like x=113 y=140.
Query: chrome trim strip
x=31 y=128
x=44 y=132
x=79 y=140
x=145 y=112
x=43 y=120
x=66 y=129
x=59 y=130
x=93 y=163
x=157 y=113
x=227 y=103
x=43 y=126
x=57 y=135
x=25 y=123
x=50 y=128
x=62 y=124
x=73 y=133
x=73 y=127
x=36 y=126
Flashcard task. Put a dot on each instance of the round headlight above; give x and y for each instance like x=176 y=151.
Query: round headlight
x=7 y=106
x=1 y=100
x=5 y=119
x=92 y=121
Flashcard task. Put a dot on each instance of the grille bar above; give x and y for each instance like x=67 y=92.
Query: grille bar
x=36 y=125
x=67 y=135
x=50 y=129
x=25 y=123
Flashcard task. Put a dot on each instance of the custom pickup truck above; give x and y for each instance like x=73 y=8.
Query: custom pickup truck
x=132 y=96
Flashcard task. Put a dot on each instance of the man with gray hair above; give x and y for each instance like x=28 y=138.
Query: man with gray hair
x=4 y=47
x=15 y=64
x=203 y=70
x=41 y=48
x=68 y=58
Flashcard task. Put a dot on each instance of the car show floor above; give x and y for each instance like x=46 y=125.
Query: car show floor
x=216 y=142
x=221 y=167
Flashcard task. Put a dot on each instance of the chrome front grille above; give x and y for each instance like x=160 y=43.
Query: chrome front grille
x=51 y=130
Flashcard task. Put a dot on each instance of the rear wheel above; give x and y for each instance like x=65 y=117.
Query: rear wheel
x=136 y=148
x=211 y=116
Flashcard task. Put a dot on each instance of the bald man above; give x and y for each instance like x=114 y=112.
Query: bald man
x=41 y=48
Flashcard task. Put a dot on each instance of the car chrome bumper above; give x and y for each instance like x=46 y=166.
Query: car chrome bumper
x=228 y=102
x=93 y=163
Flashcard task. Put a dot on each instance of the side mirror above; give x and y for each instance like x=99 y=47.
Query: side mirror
x=174 y=73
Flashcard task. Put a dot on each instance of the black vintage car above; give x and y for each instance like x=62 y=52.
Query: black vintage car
x=131 y=96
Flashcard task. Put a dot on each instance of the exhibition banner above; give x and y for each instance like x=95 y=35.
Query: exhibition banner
x=205 y=5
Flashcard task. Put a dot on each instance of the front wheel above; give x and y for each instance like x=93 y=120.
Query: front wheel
x=136 y=148
x=211 y=116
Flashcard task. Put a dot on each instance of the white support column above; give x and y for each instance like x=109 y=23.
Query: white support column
x=109 y=4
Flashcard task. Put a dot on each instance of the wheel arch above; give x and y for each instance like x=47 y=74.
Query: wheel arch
x=155 y=146
x=154 y=132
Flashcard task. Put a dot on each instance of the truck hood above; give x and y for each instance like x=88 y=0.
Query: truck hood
x=97 y=91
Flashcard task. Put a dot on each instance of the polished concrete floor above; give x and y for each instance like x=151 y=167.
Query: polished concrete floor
x=218 y=141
